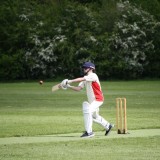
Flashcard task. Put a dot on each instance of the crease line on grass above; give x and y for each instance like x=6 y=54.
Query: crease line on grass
x=76 y=136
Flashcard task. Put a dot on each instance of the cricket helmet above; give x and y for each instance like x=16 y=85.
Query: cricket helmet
x=88 y=65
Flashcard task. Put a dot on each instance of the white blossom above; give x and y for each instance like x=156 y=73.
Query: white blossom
x=24 y=17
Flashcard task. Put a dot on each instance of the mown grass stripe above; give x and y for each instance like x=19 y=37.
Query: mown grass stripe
x=76 y=136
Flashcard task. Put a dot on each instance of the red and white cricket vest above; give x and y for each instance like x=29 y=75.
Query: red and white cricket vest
x=93 y=87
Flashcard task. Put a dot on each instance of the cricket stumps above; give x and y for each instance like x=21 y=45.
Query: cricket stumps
x=121 y=116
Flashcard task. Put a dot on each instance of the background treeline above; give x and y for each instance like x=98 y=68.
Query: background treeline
x=52 y=38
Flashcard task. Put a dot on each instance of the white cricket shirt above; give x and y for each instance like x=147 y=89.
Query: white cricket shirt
x=93 y=87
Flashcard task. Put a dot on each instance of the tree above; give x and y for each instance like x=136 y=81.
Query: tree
x=132 y=41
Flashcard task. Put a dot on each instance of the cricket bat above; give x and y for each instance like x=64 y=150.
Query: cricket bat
x=56 y=87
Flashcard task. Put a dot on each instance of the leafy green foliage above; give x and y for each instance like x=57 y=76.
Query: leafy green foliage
x=153 y=7
x=53 y=38
x=132 y=40
x=11 y=67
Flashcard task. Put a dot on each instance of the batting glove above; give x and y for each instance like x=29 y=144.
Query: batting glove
x=69 y=86
x=64 y=84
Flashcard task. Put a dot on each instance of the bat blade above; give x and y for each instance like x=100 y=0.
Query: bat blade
x=55 y=88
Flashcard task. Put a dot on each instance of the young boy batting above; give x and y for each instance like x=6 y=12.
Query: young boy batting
x=95 y=99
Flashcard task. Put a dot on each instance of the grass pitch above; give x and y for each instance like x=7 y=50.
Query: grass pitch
x=51 y=123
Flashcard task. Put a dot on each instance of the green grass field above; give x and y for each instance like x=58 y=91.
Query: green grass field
x=36 y=124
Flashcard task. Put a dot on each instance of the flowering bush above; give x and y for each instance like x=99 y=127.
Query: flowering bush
x=131 y=40
x=53 y=38
x=42 y=56
x=73 y=40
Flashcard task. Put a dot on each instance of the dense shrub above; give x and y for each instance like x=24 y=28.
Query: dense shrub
x=132 y=40
x=12 y=67
x=53 y=38
x=75 y=39
x=21 y=22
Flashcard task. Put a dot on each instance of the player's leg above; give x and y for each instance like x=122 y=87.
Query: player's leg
x=99 y=119
x=88 y=120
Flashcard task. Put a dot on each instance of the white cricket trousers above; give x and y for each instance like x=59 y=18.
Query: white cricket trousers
x=91 y=113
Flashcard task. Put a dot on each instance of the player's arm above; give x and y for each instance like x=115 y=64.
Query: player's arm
x=75 y=88
x=76 y=80
x=66 y=83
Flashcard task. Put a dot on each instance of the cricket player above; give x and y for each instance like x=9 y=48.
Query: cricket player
x=95 y=99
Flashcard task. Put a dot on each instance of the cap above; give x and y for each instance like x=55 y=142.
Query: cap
x=88 y=65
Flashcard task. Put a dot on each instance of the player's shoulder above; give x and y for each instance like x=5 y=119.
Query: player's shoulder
x=91 y=75
x=94 y=75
